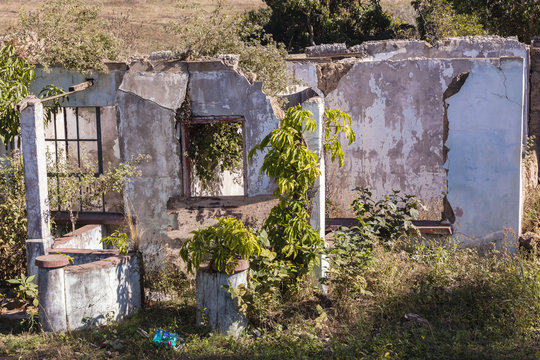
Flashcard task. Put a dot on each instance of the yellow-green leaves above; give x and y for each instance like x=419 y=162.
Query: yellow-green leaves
x=337 y=122
x=16 y=77
x=295 y=168
x=289 y=162
x=222 y=244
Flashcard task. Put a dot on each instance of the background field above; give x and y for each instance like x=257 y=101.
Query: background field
x=145 y=20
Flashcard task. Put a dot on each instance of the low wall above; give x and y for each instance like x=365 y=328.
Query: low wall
x=86 y=237
x=81 y=287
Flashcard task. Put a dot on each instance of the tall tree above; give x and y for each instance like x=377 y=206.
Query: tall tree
x=301 y=23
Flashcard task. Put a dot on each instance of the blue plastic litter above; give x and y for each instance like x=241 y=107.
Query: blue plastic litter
x=164 y=338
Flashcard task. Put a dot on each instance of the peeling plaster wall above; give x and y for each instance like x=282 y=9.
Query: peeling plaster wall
x=138 y=108
x=147 y=126
x=394 y=93
x=398 y=115
x=146 y=104
x=216 y=90
x=484 y=158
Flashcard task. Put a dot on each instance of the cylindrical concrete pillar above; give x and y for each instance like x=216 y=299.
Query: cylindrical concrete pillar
x=216 y=307
x=52 y=298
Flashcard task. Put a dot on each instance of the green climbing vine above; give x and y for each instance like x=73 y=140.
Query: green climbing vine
x=294 y=168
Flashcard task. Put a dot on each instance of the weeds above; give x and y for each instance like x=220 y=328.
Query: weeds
x=476 y=305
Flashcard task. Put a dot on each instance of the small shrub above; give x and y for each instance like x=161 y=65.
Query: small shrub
x=222 y=244
x=27 y=289
x=70 y=33
x=13 y=231
x=349 y=257
x=387 y=218
x=215 y=147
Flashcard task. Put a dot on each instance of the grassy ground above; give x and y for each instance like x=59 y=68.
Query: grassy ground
x=464 y=305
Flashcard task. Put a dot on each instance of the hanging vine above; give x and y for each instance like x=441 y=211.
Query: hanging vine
x=215 y=146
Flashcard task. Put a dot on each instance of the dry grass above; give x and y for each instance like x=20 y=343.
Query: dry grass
x=143 y=20
x=401 y=9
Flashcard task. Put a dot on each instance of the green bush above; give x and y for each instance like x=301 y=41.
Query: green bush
x=17 y=75
x=203 y=34
x=215 y=147
x=221 y=245
x=387 y=218
x=70 y=33
x=298 y=24
x=13 y=231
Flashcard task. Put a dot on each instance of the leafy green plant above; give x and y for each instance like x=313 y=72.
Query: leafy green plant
x=27 y=289
x=290 y=246
x=294 y=169
x=222 y=244
x=387 y=218
x=118 y=240
x=17 y=74
x=13 y=231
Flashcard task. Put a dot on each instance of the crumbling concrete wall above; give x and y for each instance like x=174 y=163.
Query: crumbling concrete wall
x=216 y=90
x=148 y=103
x=485 y=151
x=140 y=110
x=395 y=92
x=399 y=94
x=147 y=125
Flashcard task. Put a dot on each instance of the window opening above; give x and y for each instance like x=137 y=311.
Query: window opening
x=74 y=136
x=213 y=160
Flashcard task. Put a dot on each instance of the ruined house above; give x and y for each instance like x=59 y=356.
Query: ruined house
x=445 y=122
